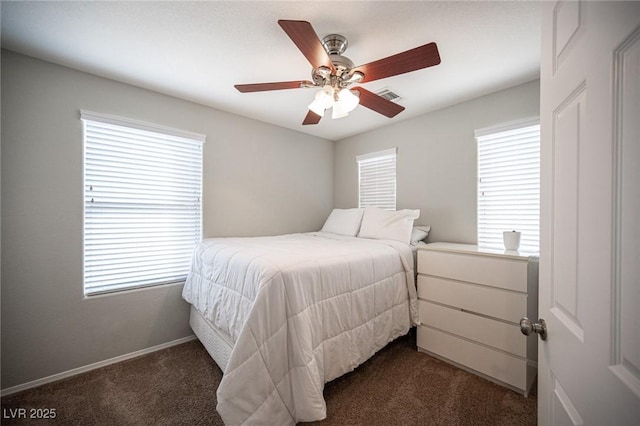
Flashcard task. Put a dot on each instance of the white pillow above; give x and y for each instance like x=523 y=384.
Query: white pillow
x=388 y=225
x=344 y=222
x=419 y=233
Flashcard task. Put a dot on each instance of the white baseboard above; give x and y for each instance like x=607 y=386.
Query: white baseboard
x=95 y=365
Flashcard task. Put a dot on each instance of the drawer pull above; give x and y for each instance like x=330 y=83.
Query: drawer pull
x=527 y=327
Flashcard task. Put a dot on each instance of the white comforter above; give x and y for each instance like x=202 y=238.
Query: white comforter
x=302 y=309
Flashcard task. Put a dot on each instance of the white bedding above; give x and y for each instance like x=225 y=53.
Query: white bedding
x=301 y=309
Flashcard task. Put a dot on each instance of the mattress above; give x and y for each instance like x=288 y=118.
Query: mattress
x=297 y=311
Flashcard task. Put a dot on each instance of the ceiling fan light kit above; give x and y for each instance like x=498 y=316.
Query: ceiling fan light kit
x=323 y=100
x=348 y=99
x=334 y=74
x=342 y=101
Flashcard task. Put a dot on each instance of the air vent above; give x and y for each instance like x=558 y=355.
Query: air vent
x=388 y=95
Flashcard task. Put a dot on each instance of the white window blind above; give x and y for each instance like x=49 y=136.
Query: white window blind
x=509 y=184
x=377 y=179
x=142 y=203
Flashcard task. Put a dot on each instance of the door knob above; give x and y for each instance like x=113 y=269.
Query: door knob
x=527 y=327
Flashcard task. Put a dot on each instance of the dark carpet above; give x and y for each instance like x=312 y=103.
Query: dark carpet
x=177 y=386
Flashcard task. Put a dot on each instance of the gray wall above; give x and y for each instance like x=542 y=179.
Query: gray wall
x=437 y=159
x=258 y=180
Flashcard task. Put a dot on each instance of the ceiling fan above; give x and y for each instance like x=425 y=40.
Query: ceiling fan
x=334 y=74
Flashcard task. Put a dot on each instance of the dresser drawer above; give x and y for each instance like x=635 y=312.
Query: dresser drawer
x=498 y=334
x=493 y=271
x=496 y=303
x=499 y=365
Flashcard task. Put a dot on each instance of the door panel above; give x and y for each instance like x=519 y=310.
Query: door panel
x=568 y=23
x=568 y=129
x=626 y=337
x=563 y=411
x=589 y=366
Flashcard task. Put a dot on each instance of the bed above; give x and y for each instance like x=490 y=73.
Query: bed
x=283 y=315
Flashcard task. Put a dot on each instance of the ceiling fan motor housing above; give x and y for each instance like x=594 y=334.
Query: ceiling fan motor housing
x=334 y=45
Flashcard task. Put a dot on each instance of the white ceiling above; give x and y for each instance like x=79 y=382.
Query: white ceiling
x=199 y=50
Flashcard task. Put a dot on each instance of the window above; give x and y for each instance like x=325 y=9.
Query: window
x=509 y=184
x=377 y=179
x=142 y=203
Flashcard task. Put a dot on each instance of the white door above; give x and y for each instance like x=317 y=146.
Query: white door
x=589 y=366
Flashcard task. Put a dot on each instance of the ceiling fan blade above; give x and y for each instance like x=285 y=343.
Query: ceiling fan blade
x=410 y=60
x=303 y=35
x=311 y=118
x=378 y=103
x=261 y=87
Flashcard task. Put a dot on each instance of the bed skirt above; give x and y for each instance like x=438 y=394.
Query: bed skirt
x=217 y=343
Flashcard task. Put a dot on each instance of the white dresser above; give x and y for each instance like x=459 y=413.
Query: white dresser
x=470 y=302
